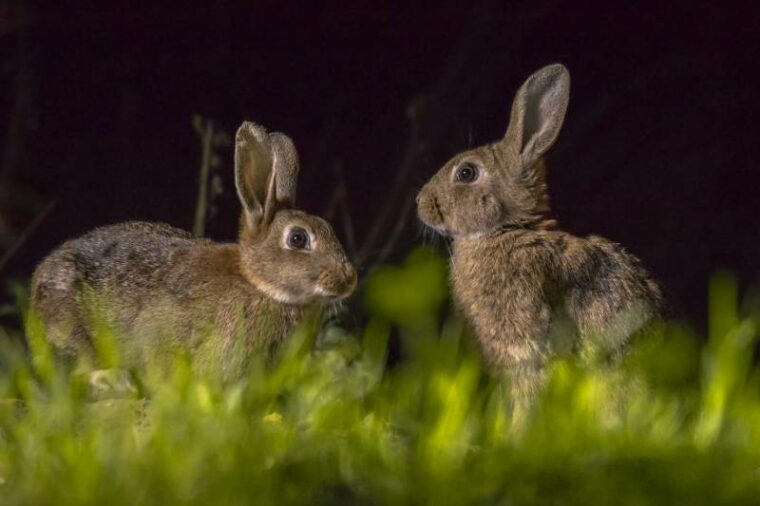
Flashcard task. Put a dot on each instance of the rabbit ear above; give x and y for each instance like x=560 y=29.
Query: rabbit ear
x=538 y=112
x=254 y=177
x=285 y=163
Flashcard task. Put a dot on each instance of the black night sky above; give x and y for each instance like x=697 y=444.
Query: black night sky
x=658 y=151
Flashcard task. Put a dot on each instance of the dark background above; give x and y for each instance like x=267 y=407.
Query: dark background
x=658 y=151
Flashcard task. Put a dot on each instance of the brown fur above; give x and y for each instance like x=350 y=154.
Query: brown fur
x=162 y=290
x=528 y=290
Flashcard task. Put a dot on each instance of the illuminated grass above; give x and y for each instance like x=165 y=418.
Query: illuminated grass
x=676 y=423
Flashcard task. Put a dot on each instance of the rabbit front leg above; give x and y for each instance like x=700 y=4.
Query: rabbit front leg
x=511 y=322
x=519 y=346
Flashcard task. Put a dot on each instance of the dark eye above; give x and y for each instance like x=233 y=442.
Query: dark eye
x=297 y=238
x=466 y=173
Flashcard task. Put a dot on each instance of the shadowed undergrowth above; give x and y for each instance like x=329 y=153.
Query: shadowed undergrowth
x=678 y=422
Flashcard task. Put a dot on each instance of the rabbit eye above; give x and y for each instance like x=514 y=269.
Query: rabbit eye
x=297 y=238
x=466 y=173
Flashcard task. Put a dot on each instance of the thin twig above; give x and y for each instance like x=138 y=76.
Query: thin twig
x=348 y=224
x=206 y=132
x=26 y=234
x=339 y=203
x=397 y=230
x=414 y=149
x=332 y=205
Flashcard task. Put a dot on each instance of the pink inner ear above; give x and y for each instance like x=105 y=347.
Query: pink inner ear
x=285 y=164
x=270 y=207
x=543 y=102
x=253 y=166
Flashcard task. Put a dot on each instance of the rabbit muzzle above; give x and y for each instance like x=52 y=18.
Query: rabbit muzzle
x=429 y=211
x=337 y=282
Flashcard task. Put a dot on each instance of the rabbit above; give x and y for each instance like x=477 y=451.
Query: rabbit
x=161 y=290
x=528 y=290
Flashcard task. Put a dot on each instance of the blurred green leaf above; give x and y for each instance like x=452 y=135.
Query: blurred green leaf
x=410 y=293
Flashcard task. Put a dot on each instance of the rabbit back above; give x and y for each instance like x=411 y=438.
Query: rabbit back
x=610 y=295
x=105 y=256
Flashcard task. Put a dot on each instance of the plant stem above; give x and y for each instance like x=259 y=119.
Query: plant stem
x=207 y=135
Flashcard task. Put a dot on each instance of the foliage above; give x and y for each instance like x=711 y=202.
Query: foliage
x=675 y=423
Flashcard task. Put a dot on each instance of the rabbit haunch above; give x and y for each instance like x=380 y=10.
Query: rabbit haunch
x=528 y=290
x=160 y=289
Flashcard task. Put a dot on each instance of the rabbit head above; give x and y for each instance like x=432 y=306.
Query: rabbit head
x=502 y=184
x=289 y=255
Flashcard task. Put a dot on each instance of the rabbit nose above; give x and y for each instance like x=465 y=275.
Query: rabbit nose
x=417 y=198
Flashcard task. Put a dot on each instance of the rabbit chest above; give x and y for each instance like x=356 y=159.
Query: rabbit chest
x=509 y=289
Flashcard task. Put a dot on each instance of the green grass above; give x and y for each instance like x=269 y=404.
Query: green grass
x=678 y=422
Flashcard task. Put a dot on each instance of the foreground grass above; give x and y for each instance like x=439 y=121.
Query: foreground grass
x=676 y=423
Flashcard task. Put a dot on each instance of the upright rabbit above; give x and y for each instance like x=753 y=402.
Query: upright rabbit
x=161 y=289
x=528 y=290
